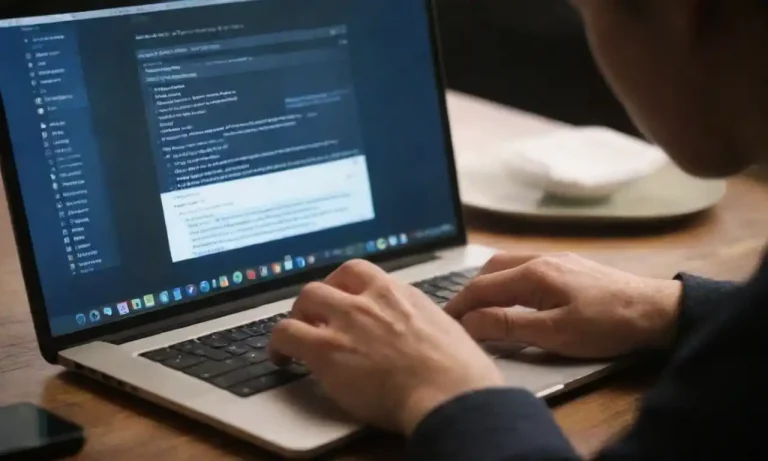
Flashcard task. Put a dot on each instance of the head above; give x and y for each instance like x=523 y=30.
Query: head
x=693 y=74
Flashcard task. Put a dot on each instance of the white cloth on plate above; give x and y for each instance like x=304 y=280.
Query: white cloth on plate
x=583 y=163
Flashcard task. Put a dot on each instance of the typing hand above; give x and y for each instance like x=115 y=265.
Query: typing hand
x=582 y=309
x=380 y=348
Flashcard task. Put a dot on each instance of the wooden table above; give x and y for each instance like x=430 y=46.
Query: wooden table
x=725 y=243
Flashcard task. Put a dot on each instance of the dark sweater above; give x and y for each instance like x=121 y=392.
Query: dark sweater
x=708 y=404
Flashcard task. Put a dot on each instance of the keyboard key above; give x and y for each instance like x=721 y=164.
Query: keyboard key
x=270 y=325
x=469 y=273
x=160 y=355
x=459 y=279
x=267 y=325
x=444 y=283
x=266 y=367
x=422 y=286
x=263 y=383
x=450 y=285
x=236 y=334
x=297 y=369
x=428 y=288
x=244 y=374
x=254 y=329
x=436 y=299
x=445 y=294
x=216 y=340
x=186 y=346
x=213 y=354
x=246 y=389
x=237 y=348
x=212 y=369
x=256 y=356
x=259 y=342
x=182 y=361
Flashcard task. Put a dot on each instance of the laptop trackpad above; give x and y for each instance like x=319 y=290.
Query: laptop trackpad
x=538 y=371
x=504 y=350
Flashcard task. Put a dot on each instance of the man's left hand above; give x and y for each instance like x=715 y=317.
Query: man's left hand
x=380 y=348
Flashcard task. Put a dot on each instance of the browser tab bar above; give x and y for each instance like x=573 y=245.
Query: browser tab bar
x=121 y=11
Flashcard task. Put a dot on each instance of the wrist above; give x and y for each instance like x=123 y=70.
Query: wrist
x=423 y=401
x=666 y=299
x=420 y=405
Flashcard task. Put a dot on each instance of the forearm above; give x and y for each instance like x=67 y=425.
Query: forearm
x=491 y=425
x=701 y=299
x=513 y=425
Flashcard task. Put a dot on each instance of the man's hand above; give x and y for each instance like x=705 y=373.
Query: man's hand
x=582 y=309
x=380 y=348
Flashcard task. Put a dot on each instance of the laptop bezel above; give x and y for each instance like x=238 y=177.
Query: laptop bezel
x=50 y=345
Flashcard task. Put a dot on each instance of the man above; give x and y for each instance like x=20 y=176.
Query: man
x=694 y=75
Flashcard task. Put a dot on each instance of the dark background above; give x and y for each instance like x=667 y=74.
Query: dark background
x=531 y=54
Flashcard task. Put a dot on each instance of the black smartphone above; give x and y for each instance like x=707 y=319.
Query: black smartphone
x=28 y=432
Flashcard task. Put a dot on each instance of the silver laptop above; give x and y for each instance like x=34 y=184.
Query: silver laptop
x=176 y=171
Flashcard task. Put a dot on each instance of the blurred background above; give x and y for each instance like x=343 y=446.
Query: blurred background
x=530 y=54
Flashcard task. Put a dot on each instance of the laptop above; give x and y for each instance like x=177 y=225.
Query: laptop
x=176 y=171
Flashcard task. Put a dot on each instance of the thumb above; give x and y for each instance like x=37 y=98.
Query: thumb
x=533 y=328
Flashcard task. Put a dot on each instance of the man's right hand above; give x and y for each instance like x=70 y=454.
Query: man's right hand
x=581 y=309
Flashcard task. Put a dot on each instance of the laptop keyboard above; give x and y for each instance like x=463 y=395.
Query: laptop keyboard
x=236 y=359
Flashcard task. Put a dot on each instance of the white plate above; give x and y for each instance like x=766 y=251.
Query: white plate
x=670 y=193
x=480 y=127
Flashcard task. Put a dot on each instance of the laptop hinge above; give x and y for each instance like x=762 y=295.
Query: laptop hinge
x=252 y=302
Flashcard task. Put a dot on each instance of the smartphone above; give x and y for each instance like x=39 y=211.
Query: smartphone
x=28 y=432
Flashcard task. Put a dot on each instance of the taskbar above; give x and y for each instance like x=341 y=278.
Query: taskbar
x=257 y=273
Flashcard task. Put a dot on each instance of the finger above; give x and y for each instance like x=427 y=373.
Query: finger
x=514 y=326
x=505 y=261
x=528 y=285
x=355 y=277
x=295 y=340
x=319 y=303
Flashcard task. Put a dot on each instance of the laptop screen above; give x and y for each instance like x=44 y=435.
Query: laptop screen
x=174 y=151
